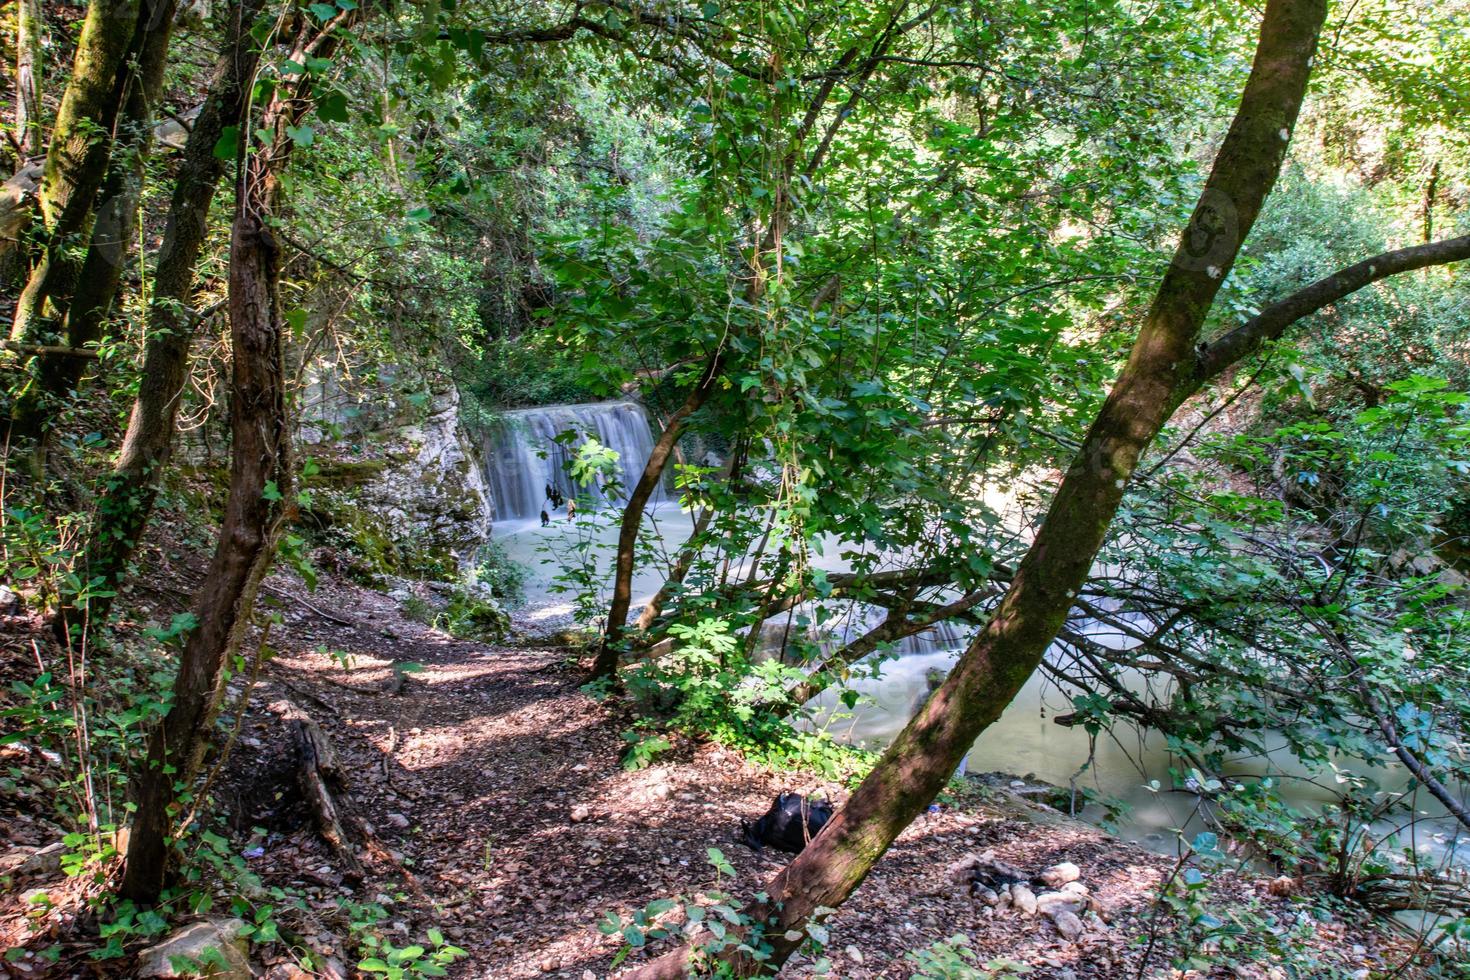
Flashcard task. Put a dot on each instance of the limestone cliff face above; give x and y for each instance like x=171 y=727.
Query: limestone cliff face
x=400 y=486
x=435 y=490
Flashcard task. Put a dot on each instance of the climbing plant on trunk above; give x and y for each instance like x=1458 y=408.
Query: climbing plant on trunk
x=128 y=495
x=260 y=467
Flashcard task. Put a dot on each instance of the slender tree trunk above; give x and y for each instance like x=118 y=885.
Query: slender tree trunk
x=897 y=625
x=76 y=160
x=29 y=29
x=128 y=497
x=1010 y=647
x=260 y=456
x=247 y=537
x=690 y=551
x=114 y=227
x=606 y=664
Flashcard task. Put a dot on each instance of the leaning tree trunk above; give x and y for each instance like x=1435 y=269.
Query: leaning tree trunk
x=260 y=461
x=76 y=160
x=1008 y=650
x=114 y=226
x=260 y=450
x=127 y=499
x=606 y=664
x=711 y=376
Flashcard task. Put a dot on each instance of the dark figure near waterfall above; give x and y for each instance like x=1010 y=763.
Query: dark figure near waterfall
x=545 y=518
x=788 y=825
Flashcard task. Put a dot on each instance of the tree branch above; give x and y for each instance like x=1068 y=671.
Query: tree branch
x=1275 y=319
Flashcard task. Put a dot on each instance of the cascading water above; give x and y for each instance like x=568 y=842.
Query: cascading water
x=522 y=456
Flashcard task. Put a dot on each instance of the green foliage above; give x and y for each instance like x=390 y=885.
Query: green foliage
x=707 y=686
x=380 y=956
x=712 y=922
x=953 y=959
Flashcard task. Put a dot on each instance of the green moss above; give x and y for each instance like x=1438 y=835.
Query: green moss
x=343 y=474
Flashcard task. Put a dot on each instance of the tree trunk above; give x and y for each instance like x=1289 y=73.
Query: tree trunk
x=29 y=26
x=127 y=498
x=260 y=450
x=76 y=160
x=1010 y=647
x=897 y=625
x=654 y=607
x=114 y=227
x=260 y=459
x=606 y=664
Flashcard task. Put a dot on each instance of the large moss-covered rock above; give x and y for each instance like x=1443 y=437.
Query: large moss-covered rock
x=407 y=497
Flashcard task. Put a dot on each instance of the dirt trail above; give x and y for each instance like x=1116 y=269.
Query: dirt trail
x=498 y=782
x=492 y=780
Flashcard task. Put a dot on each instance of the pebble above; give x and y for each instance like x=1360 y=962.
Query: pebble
x=398 y=820
x=581 y=812
x=1067 y=924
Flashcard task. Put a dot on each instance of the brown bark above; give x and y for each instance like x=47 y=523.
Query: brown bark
x=1010 y=647
x=654 y=607
x=260 y=457
x=896 y=626
x=127 y=498
x=606 y=663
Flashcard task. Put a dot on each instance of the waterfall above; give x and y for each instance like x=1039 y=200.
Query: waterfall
x=522 y=456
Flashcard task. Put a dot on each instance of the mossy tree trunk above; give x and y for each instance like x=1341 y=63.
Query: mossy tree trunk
x=29 y=28
x=76 y=161
x=127 y=498
x=1158 y=374
x=113 y=228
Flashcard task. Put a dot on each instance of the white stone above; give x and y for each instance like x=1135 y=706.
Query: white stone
x=1060 y=874
x=581 y=812
x=193 y=944
x=1023 y=898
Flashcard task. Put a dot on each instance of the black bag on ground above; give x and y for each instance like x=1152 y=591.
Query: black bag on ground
x=787 y=826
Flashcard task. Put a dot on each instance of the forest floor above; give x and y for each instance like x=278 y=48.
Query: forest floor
x=497 y=810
